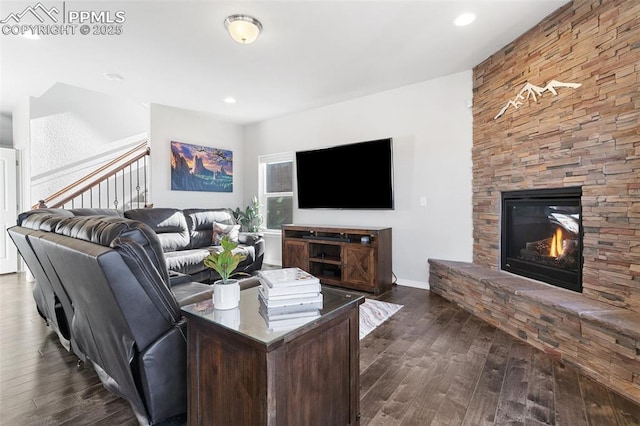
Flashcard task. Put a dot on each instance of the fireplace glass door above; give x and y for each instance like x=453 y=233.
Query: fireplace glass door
x=542 y=235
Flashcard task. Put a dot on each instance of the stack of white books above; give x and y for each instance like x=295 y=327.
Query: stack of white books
x=289 y=297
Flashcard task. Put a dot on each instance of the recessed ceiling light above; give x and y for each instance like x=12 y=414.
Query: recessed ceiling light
x=113 y=76
x=230 y=100
x=464 y=19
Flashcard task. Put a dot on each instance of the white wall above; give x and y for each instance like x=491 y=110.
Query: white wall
x=74 y=131
x=431 y=127
x=198 y=128
x=22 y=144
x=6 y=130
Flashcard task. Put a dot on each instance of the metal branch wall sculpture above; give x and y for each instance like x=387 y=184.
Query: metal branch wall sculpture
x=531 y=90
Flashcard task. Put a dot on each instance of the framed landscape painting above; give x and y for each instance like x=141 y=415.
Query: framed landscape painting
x=201 y=168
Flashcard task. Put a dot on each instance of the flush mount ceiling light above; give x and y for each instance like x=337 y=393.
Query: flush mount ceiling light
x=243 y=28
x=464 y=19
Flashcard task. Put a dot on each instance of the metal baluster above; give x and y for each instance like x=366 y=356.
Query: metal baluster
x=115 y=191
x=123 y=192
x=130 y=188
x=138 y=183
x=145 y=181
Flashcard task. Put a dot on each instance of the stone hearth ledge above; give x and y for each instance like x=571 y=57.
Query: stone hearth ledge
x=601 y=340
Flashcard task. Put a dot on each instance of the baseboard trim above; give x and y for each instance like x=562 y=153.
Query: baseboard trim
x=415 y=284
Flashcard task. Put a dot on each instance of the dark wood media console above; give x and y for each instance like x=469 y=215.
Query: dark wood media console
x=357 y=258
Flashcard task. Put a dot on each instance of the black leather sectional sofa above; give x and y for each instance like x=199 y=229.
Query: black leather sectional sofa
x=186 y=237
x=103 y=284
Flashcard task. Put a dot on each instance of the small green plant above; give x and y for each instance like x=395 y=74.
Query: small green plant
x=224 y=262
x=250 y=218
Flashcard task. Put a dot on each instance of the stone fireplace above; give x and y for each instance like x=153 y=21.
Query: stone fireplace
x=541 y=235
x=585 y=136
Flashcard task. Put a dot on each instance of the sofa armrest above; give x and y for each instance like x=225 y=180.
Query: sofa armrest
x=187 y=293
x=249 y=238
x=176 y=278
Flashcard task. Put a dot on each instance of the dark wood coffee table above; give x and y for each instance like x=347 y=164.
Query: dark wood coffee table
x=241 y=373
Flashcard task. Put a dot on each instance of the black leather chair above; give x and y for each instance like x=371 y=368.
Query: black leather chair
x=126 y=319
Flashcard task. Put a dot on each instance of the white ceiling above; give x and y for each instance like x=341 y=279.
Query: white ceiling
x=310 y=53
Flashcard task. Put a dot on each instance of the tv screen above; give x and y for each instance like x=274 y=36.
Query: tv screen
x=354 y=176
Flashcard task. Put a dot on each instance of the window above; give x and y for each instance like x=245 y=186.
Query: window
x=276 y=189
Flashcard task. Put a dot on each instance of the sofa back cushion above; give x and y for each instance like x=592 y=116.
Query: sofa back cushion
x=201 y=221
x=52 y=212
x=96 y=212
x=169 y=224
x=102 y=230
x=41 y=220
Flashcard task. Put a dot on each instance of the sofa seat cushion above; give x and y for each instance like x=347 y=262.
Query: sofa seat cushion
x=187 y=261
x=191 y=262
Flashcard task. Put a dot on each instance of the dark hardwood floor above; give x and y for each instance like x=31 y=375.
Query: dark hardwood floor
x=431 y=364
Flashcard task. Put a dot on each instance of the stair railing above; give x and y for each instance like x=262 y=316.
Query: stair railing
x=119 y=184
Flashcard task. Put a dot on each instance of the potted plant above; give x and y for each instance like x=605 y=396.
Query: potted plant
x=226 y=291
x=250 y=218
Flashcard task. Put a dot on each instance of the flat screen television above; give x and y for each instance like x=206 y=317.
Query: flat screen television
x=353 y=176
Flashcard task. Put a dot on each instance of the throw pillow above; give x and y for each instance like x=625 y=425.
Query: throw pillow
x=221 y=229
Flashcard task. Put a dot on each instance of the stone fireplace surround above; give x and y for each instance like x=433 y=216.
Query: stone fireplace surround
x=587 y=136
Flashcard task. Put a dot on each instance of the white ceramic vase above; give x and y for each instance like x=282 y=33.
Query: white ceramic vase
x=226 y=296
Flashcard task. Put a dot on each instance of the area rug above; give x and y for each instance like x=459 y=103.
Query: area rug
x=373 y=313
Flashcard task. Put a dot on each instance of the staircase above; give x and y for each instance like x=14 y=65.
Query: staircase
x=121 y=184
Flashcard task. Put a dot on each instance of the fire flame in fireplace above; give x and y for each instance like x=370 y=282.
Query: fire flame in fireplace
x=556 y=244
